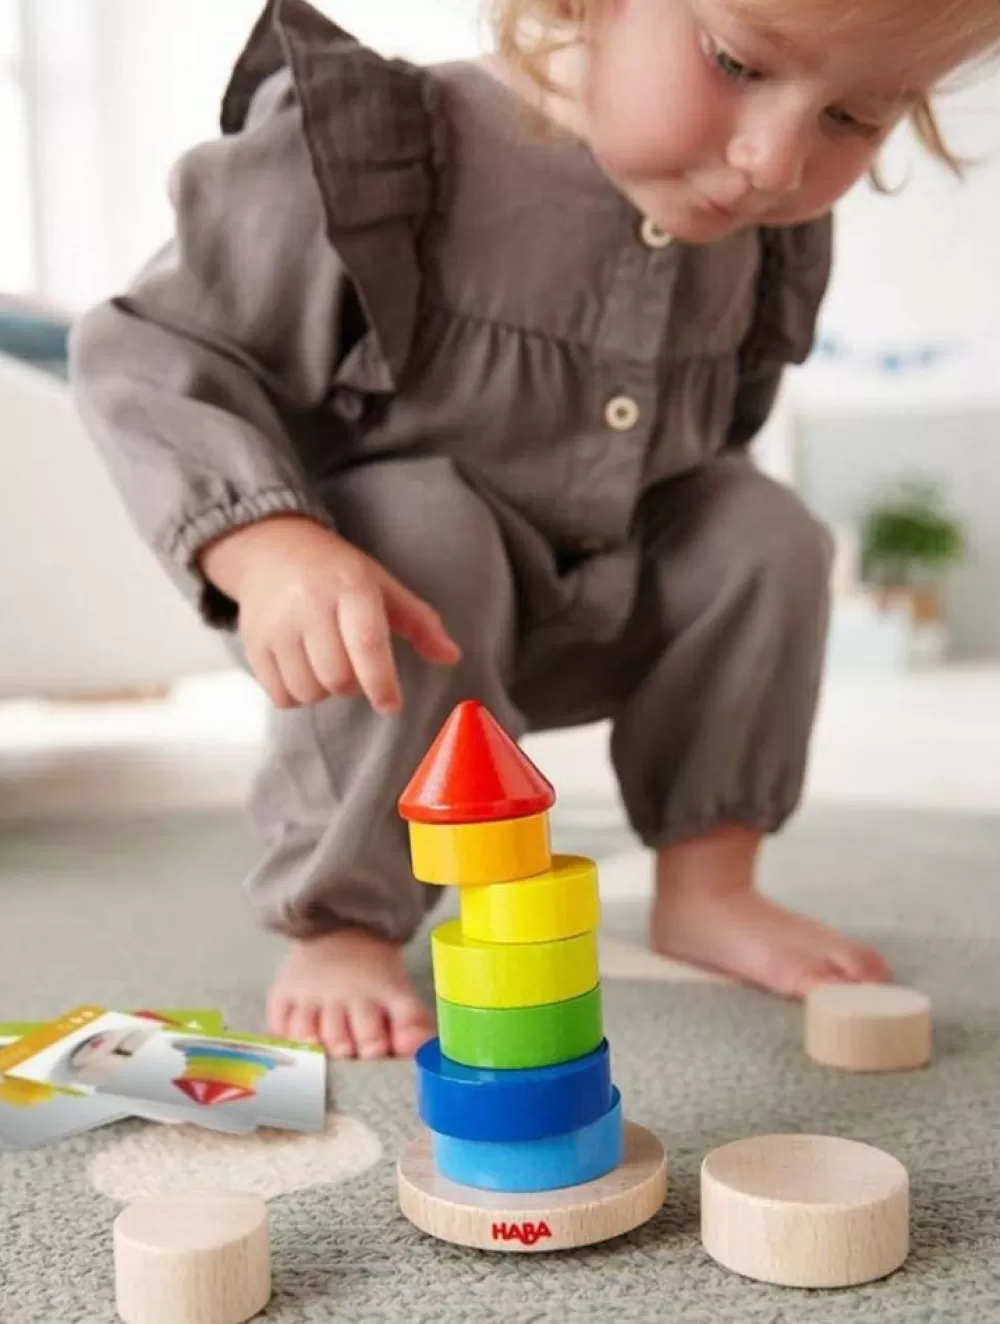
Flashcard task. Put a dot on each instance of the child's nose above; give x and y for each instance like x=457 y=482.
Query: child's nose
x=771 y=153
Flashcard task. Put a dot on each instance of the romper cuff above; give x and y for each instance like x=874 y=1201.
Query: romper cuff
x=182 y=544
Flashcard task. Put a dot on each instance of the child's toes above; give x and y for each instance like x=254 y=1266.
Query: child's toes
x=786 y=973
x=303 y=1023
x=809 y=974
x=862 y=965
x=335 y=1033
x=279 y=1010
x=411 y=1025
x=370 y=1028
x=819 y=972
x=875 y=968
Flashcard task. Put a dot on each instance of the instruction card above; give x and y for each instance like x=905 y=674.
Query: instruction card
x=33 y=1114
x=225 y=1081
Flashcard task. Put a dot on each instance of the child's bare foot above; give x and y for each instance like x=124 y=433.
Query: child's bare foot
x=708 y=914
x=349 y=991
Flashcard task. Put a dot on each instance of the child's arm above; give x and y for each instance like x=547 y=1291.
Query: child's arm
x=188 y=384
x=184 y=381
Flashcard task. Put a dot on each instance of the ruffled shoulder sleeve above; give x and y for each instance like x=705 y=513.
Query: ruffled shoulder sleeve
x=310 y=203
x=375 y=130
x=793 y=277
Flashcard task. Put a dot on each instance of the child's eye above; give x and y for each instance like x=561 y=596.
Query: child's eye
x=844 y=122
x=730 y=66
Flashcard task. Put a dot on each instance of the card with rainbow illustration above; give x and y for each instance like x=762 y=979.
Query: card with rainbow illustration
x=33 y=1114
x=222 y=1080
x=109 y=1042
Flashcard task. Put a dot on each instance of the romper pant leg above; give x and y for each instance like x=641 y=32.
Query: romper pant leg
x=712 y=686
x=734 y=600
x=324 y=802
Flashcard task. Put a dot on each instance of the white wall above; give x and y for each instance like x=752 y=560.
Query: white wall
x=181 y=55
x=17 y=239
x=920 y=269
x=126 y=85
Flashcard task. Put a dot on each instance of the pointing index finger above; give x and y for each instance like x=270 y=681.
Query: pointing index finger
x=364 y=628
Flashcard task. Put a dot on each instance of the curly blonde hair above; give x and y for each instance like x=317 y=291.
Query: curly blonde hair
x=528 y=32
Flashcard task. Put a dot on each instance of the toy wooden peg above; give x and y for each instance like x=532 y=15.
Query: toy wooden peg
x=868 y=1027
x=192 y=1259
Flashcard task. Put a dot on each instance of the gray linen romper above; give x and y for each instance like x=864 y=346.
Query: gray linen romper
x=391 y=305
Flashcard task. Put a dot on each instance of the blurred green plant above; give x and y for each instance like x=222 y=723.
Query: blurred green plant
x=908 y=536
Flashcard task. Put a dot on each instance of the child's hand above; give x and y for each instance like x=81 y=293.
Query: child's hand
x=317 y=614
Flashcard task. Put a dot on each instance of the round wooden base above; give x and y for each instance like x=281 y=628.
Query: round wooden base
x=805 y=1210
x=546 y=1220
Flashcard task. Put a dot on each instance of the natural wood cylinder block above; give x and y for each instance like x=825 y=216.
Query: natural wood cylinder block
x=868 y=1027
x=192 y=1259
x=805 y=1211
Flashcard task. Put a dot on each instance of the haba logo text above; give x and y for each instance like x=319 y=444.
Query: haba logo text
x=528 y=1234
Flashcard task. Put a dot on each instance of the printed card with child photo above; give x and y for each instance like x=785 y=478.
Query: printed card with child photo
x=228 y=1082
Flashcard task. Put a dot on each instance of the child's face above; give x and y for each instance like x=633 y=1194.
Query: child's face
x=709 y=124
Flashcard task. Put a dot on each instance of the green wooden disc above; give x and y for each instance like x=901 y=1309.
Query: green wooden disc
x=516 y=1038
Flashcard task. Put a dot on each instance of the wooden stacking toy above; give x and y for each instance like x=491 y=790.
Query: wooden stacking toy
x=525 y=1144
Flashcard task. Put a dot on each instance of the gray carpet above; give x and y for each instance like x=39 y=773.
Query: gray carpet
x=145 y=911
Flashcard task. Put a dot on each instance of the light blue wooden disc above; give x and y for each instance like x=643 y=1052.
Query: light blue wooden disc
x=557 y=1161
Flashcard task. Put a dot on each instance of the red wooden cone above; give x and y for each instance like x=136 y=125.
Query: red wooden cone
x=209 y=1092
x=474 y=773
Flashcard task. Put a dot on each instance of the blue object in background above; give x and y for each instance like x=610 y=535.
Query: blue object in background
x=890 y=361
x=35 y=338
x=478 y=1103
x=535 y=1165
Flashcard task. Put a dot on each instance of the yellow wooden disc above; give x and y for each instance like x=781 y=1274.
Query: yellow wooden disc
x=472 y=854
x=479 y=974
x=560 y=903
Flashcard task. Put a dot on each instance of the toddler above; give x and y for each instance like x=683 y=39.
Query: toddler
x=443 y=390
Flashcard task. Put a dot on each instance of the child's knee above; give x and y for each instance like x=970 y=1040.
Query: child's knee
x=795 y=550
x=729 y=534
x=768 y=530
